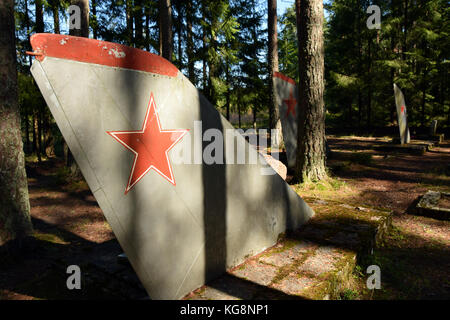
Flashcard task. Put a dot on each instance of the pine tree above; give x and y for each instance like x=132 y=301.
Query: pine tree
x=311 y=119
x=165 y=12
x=274 y=117
x=15 y=220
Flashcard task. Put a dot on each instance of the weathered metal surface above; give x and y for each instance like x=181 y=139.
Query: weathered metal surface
x=182 y=226
x=433 y=127
x=402 y=115
x=286 y=96
x=100 y=52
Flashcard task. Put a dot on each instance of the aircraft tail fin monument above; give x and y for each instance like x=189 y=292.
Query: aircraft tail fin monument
x=142 y=136
x=286 y=95
x=402 y=115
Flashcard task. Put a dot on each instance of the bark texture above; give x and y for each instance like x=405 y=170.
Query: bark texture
x=165 y=13
x=15 y=220
x=311 y=120
x=274 y=115
x=39 y=16
x=190 y=42
x=138 y=21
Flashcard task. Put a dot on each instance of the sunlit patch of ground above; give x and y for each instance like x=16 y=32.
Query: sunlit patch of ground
x=414 y=257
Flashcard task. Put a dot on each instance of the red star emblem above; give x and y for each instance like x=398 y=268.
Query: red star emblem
x=402 y=109
x=150 y=146
x=290 y=103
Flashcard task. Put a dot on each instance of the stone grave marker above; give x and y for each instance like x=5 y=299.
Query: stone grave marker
x=433 y=127
x=402 y=115
x=286 y=96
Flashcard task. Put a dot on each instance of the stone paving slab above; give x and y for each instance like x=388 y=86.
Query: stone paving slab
x=321 y=262
x=287 y=255
x=295 y=285
x=256 y=272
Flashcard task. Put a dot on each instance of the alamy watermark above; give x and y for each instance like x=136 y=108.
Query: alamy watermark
x=227 y=146
x=74 y=17
x=374 y=280
x=374 y=20
x=74 y=280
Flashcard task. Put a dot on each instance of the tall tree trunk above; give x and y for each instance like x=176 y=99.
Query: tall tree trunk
x=147 y=26
x=359 y=35
x=180 y=42
x=15 y=222
x=165 y=12
x=311 y=120
x=405 y=31
x=39 y=16
x=39 y=134
x=138 y=20
x=33 y=123
x=205 y=55
x=160 y=34
x=190 y=42
x=228 y=94
x=359 y=108
x=392 y=109
x=94 y=16
x=178 y=5
x=129 y=19
x=274 y=116
x=27 y=27
x=27 y=129
x=55 y=11
x=424 y=95
x=212 y=96
x=84 y=8
x=36 y=141
x=239 y=110
x=369 y=84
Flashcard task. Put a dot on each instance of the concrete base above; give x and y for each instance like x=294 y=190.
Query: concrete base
x=416 y=149
x=436 y=138
x=429 y=205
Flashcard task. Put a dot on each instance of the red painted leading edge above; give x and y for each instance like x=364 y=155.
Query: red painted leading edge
x=99 y=52
x=283 y=77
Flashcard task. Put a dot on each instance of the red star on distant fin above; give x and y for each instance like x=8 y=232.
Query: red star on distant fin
x=290 y=103
x=150 y=146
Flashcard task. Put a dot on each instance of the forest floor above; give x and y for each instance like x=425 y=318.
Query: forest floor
x=414 y=256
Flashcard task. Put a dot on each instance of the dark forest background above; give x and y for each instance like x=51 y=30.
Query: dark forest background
x=222 y=47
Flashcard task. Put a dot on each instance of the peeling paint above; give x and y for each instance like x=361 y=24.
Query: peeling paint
x=117 y=53
x=100 y=52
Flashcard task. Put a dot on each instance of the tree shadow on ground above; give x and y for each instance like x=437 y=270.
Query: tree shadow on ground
x=412 y=267
x=37 y=269
x=381 y=172
x=355 y=144
x=248 y=290
x=44 y=172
